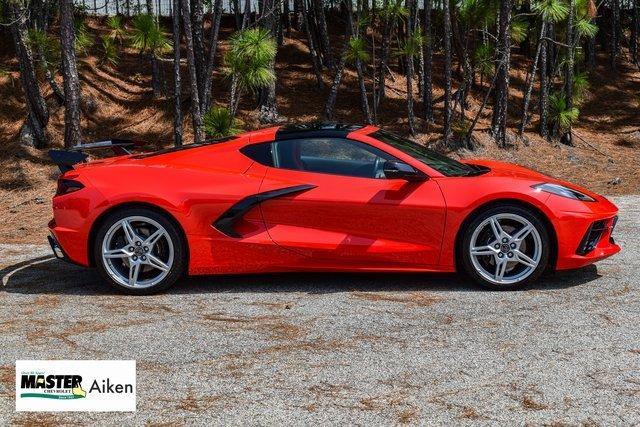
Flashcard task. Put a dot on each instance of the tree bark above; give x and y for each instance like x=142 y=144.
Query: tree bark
x=317 y=65
x=213 y=46
x=37 y=112
x=333 y=92
x=568 y=76
x=196 y=113
x=499 y=120
x=447 y=70
x=544 y=90
x=615 y=32
x=635 y=27
x=197 y=28
x=325 y=45
x=177 y=86
x=532 y=78
x=384 y=56
x=364 y=101
x=427 y=85
x=72 y=131
x=409 y=71
x=269 y=105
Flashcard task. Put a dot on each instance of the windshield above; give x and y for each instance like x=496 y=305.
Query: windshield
x=437 y=161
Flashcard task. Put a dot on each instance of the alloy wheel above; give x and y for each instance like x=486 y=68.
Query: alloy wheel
x=505 y=248
x=137 y=252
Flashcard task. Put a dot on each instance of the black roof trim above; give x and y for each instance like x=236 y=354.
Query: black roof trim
x=316 y=129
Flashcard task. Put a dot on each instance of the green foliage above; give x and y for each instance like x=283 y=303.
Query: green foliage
x=83 y=39
x=581 y=87
x=394 y=11
x=109 y=51
x=148 y=37
x=584 y=28
x=460 y=128
x=551 y=10
x=357 y=50
x=6 y=72
x=477 y=12
x=412 y=44
x=116 y=28
x=218 y=123
x=519 y=29
x=249 y=57
x=38 y=39
x=483 y=59
x=559 y=113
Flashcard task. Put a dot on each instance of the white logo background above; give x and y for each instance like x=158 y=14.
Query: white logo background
x=117 y=371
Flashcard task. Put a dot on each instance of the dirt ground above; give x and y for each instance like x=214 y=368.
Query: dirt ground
x=605 y=156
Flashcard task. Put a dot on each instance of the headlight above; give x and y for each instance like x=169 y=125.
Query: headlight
x=561 y=190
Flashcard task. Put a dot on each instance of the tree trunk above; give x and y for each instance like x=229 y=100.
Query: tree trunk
x=544 y=90
x=317 y=66
x=532 y=79
x=427 y=85
x=286 y=16
x=409 y=67
x=72 y=131
x=149 y=7
x=364 y=101
x=325 y=45
x=635 y=26
x=177 y=87
x=615 y=32
x=197 y=28
x=38 y=114
x=387 y=29
x=568 y=76
x=246 y=15
x=447 y=70
x=213 y=46
x=591 y=51
x=333 y=92
x=196 y=113
x=499 y=120
x=269 y=105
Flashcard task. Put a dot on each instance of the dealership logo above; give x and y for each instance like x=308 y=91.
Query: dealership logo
x=52 y=386
x=75 y=385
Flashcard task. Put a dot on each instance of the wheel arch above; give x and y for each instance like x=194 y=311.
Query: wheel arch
x=553 y=237
x=132 y=205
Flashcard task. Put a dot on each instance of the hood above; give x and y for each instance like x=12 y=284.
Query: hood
x=511 y=170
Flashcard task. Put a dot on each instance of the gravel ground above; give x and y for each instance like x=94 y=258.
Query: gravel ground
x=358 y=349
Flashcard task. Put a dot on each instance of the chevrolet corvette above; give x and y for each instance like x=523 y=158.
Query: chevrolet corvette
x=317 y=197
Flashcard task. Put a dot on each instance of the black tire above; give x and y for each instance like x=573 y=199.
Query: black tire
x=177 y=267
x=464 y=253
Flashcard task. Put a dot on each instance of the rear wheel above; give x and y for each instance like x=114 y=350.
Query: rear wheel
x=505 y=247
x=139 y=251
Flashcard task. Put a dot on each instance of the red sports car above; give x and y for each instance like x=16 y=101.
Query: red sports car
x=318 y=197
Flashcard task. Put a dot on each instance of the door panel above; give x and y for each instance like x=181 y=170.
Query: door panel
x=356 y=221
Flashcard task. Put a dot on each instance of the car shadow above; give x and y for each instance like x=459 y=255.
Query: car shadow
x=47 y=275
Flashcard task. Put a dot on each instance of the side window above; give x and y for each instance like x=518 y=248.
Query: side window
x=331 y=156
x=261 y=153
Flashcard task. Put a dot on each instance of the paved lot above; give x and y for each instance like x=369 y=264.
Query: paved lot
x=383 y=349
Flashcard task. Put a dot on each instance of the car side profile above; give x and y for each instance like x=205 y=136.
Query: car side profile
x=318 y=197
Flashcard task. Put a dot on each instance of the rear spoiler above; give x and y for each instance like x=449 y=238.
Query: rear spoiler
x=66 y=159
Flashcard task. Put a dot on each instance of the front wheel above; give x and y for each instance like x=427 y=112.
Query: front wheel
x=505 y=247
x=139 y=251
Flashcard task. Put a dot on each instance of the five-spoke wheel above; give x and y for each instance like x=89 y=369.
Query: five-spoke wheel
x=139 y=250
x=505 y=247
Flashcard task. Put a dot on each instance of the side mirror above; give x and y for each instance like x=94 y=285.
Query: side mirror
x=399 y=170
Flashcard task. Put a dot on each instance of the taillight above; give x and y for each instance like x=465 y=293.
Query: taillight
x=66 y=186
